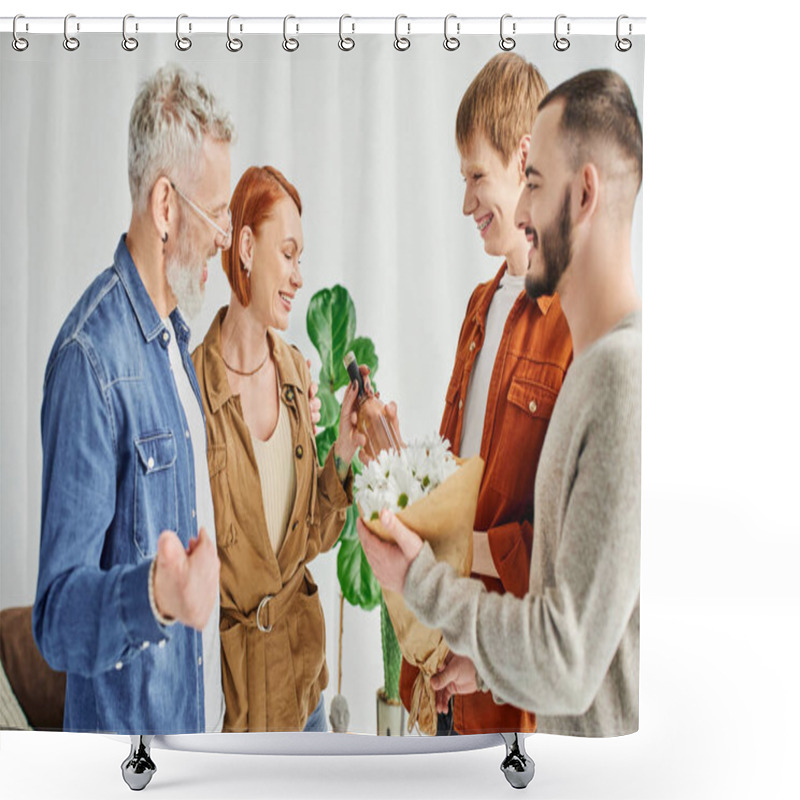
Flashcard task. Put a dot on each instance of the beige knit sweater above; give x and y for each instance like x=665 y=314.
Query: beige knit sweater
x=569 y=650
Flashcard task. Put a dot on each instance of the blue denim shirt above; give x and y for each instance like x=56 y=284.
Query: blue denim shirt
x=117 y=470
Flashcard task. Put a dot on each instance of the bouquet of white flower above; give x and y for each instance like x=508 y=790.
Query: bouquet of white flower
x=435 y=494
x=395 y=480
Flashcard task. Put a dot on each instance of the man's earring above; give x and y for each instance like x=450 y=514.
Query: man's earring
x=165 y=237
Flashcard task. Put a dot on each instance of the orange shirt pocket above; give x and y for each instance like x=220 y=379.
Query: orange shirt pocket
x=449 y=426
x=528 y=408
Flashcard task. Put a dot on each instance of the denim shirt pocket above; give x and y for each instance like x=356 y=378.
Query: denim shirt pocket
x=155 y=494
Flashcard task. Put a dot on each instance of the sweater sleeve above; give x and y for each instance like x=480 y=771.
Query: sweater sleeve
x=549 y=653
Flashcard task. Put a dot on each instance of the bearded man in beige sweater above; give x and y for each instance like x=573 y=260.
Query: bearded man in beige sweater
x=568 y=650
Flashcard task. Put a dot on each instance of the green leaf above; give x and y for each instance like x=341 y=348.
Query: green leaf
x=349 y=531
x=392 y=657
x=359 y=586
x=331 y=325
x=330 y=409
x=364 y=350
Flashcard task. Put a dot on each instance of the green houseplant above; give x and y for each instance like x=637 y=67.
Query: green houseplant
x=331 y=326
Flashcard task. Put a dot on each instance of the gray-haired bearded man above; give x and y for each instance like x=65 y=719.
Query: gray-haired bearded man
x=127 y=601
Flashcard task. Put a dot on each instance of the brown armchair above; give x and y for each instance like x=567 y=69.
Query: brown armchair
x=37 y=689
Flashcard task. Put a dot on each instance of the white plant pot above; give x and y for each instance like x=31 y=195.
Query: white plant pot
x=391 y=716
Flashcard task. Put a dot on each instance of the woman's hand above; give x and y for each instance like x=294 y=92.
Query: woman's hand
x=389 y=411
x=349 y=439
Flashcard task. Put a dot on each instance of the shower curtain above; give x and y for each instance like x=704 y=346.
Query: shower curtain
x=368 y=138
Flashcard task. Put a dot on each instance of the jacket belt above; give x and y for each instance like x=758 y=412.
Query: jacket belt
x=272 y=608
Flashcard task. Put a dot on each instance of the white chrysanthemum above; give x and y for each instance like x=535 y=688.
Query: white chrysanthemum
x=373 y=477
x=385 y=462
x=404 y=488
x=449 y=466
x=416 y=457
x=371 y=502
x=396 y=480
x=438 y=448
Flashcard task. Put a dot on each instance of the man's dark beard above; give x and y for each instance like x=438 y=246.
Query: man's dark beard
x=556 y=244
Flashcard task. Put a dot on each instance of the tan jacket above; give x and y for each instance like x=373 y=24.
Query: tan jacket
x=273 y=650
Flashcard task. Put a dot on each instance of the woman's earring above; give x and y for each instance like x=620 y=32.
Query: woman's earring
x=246 y=268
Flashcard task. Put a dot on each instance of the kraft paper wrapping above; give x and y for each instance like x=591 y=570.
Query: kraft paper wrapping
x=444 y=518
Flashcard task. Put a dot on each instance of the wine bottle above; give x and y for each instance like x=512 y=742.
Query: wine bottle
x=372 y=419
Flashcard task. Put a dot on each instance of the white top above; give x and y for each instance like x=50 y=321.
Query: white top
x=478 y=389
x=276 y=468
x=196 y=436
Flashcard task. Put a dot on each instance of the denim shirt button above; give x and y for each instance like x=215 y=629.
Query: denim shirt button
x=150 y=463
x=162 y=642
x=187 y=434
x=145 y=645
x=193 y=514
x=200 y=661
x=118 y=665
x=165 y=336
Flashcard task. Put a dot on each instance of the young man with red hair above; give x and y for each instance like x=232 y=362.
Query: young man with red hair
x=510 y=362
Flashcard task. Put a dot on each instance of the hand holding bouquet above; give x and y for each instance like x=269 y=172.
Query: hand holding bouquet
x=434 y=494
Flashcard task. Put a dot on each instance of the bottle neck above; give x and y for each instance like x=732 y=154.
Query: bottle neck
x=355 y=375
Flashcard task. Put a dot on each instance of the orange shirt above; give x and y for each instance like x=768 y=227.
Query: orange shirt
x=532 y=359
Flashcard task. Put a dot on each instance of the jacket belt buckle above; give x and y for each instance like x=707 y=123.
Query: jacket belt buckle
x=263 y=604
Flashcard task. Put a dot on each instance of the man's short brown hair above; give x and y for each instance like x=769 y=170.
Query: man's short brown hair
x=501 y=102
x=599 y=108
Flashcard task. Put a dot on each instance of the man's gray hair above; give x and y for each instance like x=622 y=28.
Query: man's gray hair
x=170 y=116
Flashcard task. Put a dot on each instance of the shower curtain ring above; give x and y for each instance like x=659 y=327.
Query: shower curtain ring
x=233 y=44
x=18 y=42
x=129 y=43
x=561 y=43
x=183 y=43
x=401 y=42
x=507 y=42
x=71 y=43
x=290 y=44
x=346 y=43
x=623 y=45
x=451 y=42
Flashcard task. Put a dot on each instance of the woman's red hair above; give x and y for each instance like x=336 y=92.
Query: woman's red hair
x=253 y=199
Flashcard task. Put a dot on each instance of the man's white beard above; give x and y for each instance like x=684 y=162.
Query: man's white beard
x=186 y=287
x=185 y=278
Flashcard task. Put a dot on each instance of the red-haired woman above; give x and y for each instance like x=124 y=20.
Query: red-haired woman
x=275 y=509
